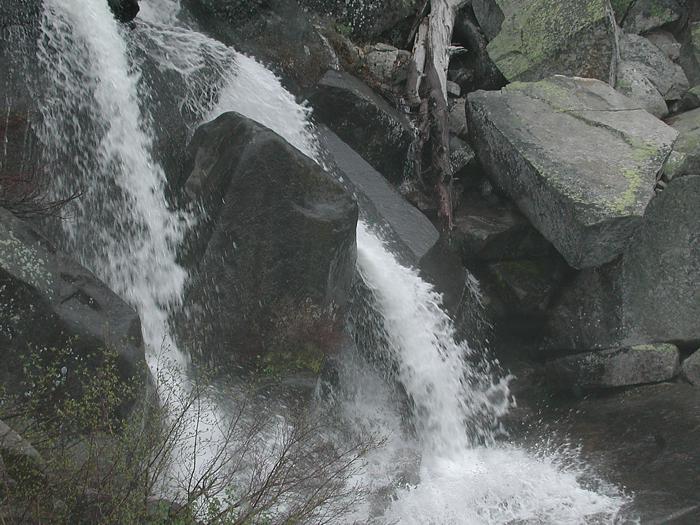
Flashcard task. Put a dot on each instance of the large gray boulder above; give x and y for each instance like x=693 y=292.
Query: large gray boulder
x=685 y=158
x=540 y=38
x=616 y=367
x=579 y=159
x=661 y=268
x=650 y=294
x=275 y=255
x=365 y=121
x=49 y=301
x=666 y=76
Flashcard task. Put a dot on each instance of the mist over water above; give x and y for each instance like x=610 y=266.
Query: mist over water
x=438 y=407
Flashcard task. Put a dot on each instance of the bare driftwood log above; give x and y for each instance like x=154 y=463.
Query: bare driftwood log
x=427 y=88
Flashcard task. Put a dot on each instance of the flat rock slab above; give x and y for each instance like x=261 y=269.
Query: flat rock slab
x=539 y=38
x=579 y=159
x=380 y=199
x=616 y=367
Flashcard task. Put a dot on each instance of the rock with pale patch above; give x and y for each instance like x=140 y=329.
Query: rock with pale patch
x=49 y=301
x=578 y=158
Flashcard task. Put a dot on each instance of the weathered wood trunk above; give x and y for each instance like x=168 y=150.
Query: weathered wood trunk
x=428 y=82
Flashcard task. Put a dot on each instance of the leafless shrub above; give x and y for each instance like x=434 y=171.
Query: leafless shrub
x=174 y=459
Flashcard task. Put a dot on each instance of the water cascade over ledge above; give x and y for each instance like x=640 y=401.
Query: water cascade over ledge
x=126 y=231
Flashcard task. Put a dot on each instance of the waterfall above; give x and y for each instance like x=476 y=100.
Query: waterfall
x=447 y=467
x=122 y=228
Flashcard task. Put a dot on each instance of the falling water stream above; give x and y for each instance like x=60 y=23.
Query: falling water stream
x=448 y=467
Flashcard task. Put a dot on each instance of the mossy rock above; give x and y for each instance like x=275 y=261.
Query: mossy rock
x=544 y=37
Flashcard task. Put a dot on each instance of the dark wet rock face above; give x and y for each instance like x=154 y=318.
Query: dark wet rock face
x=365 y=121
x=490 y=17
x=366 y=19
x=495 y=231
x=276 y=32
x=19 y=33
x=579 y=160
x=643 y=438
x=474 y=69
x=124 y=10
x=50 y=301
x=275 y=256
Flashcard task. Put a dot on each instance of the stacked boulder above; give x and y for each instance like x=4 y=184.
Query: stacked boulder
x=599 y=176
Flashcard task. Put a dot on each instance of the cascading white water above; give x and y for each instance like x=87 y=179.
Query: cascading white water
x=123 y=227
x=128 y=235
x=464 y=475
